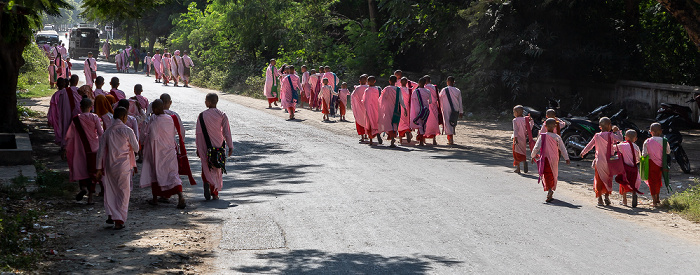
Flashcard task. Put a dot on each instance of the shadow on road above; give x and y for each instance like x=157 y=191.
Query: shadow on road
x=313 y=261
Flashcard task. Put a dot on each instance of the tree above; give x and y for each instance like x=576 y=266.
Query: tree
x=687 y=12
x=17 y=21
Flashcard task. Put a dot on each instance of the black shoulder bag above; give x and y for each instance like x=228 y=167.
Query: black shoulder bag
x=454 y=115
x=216 y=156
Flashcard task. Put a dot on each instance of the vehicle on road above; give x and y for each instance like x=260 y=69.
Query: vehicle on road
x=46 y=37
x=684 y=113
x=83 y=40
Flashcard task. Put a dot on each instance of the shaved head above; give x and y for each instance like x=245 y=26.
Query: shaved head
x=605 y=121
x=656 y=127
x=157 y=107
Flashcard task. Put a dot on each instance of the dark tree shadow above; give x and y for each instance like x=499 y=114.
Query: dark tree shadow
x=311 y=261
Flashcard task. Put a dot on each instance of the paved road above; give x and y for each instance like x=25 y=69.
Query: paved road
x=311 y=201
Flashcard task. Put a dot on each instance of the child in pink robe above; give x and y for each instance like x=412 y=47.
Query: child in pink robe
x=115 y=92
x=455 y=96
x=271 y=80
x=405 y=123
x=166 y=68
x=602 y=182
x=219 y=131
x=75 y=150
x=56 y=115
x=420 y=99
x=53 y=74
x=653 y=148
x=391 y=105
x=160 y=165
x=313 y=95
x=327 y=94
x=631 y=156
x=158 y=65
x=289 y=92
x=99 y=82
x=551 y=113
x=546 y=152
x=371 y=102
x=432 y=126
x=89 y=66
x=522 y=137
x=305 y=87
x=358 y=108
x=343 y=95
x=115 y=161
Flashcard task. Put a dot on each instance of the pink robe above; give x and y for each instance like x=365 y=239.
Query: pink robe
x=118 y=94
x=326 y=94
x=630 y=159
x=332 y=79
x=159 y=154
x=456 y=96
x=116 y=157
x=371 y=102
x=432 y=126
x=176 y=66
x=562 y=124
x=105 y=49
x=554 y=148
x=286 y=91
x=358 y=108
x=60 y=113
x=182 y=125
x=143 y=101
x=157 y=65
x=77 y=162
x=314 y=90
x=107 y=120
x=343 y=96
x=53 y=73
x=305 y=85
x=416 y=106
x=652 y=148
x=97 y=92
x=90 y=63
x=271 y=78
x=600 y=163
x=166 y=67
x=520 y=133
x=219 y=130
x=387 y=103
x=405 y=124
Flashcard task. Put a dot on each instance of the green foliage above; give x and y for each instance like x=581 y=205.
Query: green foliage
x=18 y=249
x=34 y=71
x=686 y=203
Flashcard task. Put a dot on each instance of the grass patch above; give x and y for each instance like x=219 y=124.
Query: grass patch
x=36 y=90
x=26 y=111
x=686 y=203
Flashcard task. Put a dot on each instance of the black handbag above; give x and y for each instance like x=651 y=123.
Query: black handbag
x=424 y=111
x=216 y=156
x=454 y=115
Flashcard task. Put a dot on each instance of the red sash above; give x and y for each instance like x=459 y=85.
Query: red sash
x=183 y=164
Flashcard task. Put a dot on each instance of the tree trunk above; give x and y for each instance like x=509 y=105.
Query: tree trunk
x=151 y=42
x=10 y=62
x=372 y=15
x=688 y=15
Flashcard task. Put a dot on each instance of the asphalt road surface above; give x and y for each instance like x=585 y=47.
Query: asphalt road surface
x=299 y=199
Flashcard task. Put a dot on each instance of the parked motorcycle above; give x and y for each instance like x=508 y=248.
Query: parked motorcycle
x=684 y=113
x=675 y=139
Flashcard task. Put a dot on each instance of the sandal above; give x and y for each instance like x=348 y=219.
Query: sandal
x=607 y=201
x=109 y=221
x=80 y=195
x=119 y=227
x=548 y=200
x=152 y=202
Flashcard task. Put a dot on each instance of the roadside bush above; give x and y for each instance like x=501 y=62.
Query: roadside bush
x=686 y=203
x=34 y=71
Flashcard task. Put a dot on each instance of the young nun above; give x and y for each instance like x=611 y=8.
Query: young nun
x=103 y=109
x=522 y=133
x=167 y=103
x=631 y=156
x=53 y=73
x=115 y=92
x=187 y=65
x=420 y=99
x=546 y=152
x=358 y=108
x=115 y=162
x=305 y=93
x=391 y=105
x=58 y=115
x=289 y=92
x=89 y=68
x=271 y=89
x=160 y=166
x=99 y=82
x=91 y=128
x=219 y=133
x=405 y=123
x=451 y=99
x=327 y=94
x=343 y=94
x=432 y=126
x=157 y=60
x=653 y=149
x=602 y=182
x=371 y=101
x=313 y=95
x=131 y=121
x=166 y=67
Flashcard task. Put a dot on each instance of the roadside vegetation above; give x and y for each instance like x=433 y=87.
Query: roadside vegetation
x=686 y=203
x=24 y=239
x=33 y=79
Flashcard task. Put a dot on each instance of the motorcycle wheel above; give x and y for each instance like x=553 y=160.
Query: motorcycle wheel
x=575 y=136
x=682 y=159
